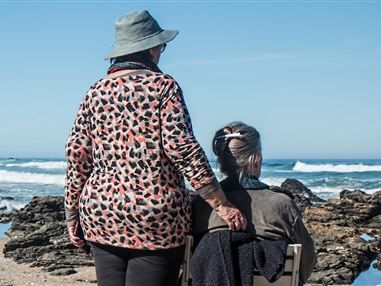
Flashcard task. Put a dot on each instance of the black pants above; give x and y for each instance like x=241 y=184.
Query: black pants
x=117 y=266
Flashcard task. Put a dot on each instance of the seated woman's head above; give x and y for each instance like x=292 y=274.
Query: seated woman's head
x=237 y=147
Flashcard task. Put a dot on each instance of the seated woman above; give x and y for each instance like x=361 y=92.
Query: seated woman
x=271 y=215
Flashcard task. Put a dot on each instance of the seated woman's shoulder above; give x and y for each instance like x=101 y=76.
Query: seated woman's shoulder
x=277 y=197
x=278 y=190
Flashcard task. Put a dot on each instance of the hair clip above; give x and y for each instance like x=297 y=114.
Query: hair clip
x=232 y=135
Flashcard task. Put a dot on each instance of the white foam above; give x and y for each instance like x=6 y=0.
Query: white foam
x=41 y=165
x=329 y=190
x=337 y=190
x=273 y=181
x=339 y=168
x=10 y=206
x=31 y=178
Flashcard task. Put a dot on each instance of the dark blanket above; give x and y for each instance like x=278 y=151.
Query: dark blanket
x=228 y=258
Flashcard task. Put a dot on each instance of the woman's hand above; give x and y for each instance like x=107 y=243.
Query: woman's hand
x=235 y=219
x=75 y=238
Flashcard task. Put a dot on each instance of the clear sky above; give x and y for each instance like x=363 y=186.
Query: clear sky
x=306 y=74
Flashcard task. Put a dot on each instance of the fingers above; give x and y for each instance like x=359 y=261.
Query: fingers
x=242 y=221
x=237 y=225
x=233 y=217
x=77 y=241
x=231 y=225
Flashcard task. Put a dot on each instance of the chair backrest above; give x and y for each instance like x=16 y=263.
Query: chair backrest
x=290 y=276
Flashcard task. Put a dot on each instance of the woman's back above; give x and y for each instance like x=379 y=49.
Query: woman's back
x=129 y=164
x=271 y=215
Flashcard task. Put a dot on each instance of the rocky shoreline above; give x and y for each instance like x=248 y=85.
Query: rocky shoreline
x=38 y=234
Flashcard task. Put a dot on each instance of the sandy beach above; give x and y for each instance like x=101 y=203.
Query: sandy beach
x=13 y=274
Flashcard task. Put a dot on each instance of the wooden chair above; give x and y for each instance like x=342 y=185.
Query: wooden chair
x=290 y=276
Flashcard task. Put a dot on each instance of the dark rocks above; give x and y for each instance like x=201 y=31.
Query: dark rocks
x=38 y=236
x=6 y=217
x=336 y=226
x=298 y=189
x=377 y=264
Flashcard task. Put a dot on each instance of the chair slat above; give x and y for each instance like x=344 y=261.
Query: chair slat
x=282 y=281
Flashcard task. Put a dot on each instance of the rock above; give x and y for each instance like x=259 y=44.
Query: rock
x=377 y=264
x=6 y=217
x=38 y=236
x=63 y=271
x=336 y=226
x=298 y=189
x=6 y=210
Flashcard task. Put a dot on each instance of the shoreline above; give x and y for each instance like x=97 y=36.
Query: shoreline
x=15 y=274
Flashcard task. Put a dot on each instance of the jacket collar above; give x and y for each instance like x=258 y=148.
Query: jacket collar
x=251 y=182
x=244 y=182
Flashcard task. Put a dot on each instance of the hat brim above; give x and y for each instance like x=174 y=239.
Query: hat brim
x=119 y=49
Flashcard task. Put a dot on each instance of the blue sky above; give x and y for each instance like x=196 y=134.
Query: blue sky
x=306 y=74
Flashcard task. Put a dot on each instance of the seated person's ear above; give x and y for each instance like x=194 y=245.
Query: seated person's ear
x=257 y=163
x=258 y=160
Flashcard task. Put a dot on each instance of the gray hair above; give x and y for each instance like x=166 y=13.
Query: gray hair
x=236 y=146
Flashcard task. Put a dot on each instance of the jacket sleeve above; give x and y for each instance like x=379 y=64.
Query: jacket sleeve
x=79 y=157
x=180 y=144
x=308 y=255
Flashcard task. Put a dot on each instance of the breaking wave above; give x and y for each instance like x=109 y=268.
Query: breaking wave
x=31 y=178
x=41 y=165
x=338 y=168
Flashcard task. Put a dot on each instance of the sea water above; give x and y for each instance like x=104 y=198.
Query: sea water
x=21 y=179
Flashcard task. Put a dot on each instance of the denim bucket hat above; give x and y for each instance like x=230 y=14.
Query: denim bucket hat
x=136 y=32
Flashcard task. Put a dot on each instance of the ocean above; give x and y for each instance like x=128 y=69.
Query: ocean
x=21 y=179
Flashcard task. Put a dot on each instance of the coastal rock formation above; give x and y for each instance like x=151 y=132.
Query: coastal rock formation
x=38 y=236
x=303 y=196
x=338 y=227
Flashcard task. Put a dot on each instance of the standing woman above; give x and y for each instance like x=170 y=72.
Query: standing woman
x=131 y=144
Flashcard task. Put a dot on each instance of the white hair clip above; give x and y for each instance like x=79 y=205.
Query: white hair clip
x=231 y=135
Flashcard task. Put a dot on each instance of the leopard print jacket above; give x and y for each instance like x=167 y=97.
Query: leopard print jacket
x=130 y=146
